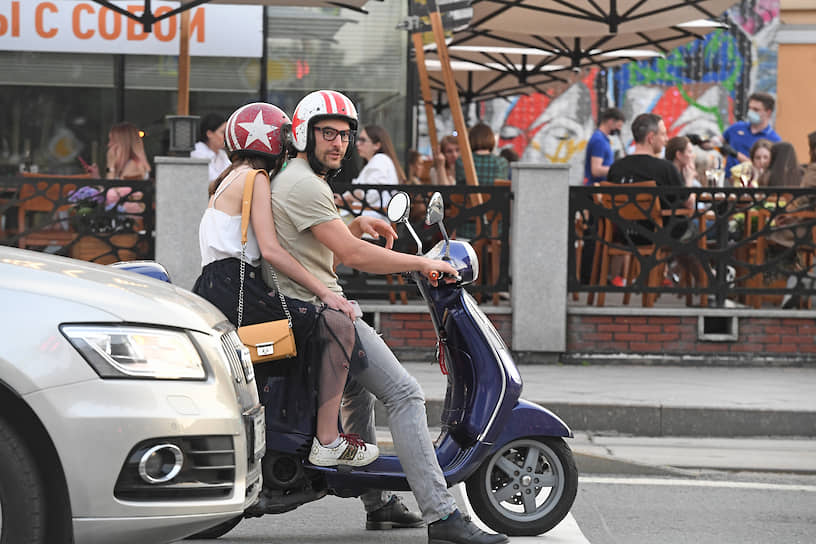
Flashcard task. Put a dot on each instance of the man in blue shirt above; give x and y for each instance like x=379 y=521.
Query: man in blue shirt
x=599 y=155
x=742 y=134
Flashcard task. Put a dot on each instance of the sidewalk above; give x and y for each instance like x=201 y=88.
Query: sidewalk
x=659 y=400
x=662 y=420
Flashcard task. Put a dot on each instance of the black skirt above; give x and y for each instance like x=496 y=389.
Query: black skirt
x=219 y=283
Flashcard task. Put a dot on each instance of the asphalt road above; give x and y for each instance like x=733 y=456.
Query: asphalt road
x=701 y=508
x=710 y=509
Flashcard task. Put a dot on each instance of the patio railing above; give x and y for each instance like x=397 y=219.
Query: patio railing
x=86 y=219
x=480 y=214
x=97 y=220
x=739 y=244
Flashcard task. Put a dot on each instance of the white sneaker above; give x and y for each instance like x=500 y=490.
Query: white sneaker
x=351 y=451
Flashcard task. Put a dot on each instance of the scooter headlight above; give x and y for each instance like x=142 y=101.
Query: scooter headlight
x=137 y=352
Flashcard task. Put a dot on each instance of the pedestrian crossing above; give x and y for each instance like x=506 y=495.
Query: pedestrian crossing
x=566 y=532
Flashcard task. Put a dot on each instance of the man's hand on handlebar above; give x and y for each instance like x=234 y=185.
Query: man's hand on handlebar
x=435 y=270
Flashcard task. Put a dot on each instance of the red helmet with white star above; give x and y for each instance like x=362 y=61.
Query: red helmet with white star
x=257 y=128
x=317 y=105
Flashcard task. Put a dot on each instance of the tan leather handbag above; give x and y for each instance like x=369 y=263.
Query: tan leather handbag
x=271 y=340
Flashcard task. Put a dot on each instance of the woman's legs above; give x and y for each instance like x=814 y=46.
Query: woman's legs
x=330 y=448
x=338 y=332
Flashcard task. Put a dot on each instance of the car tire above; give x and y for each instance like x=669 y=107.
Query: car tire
x=22 y=497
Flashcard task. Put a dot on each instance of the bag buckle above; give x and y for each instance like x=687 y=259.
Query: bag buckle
x=267 y=348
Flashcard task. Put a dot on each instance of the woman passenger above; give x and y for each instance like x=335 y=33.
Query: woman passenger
x=325 y=336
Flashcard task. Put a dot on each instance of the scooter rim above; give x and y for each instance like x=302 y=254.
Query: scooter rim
x=554 y=469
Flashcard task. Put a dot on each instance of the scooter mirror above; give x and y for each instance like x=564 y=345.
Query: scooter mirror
x=399 y=207
x=436 y=210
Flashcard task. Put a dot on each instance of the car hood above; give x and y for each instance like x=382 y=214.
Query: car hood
x=126 y=296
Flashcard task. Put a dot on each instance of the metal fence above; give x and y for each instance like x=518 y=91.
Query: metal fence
x=111 y=220
x=97 y=220
x=737 y=244
x=479 y=214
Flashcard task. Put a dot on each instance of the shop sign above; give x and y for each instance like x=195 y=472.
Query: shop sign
x=65 y=26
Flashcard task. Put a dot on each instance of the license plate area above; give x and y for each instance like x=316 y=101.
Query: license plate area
x=255 y=425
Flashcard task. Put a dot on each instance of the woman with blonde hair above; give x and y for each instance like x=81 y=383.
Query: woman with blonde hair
x=126 y=157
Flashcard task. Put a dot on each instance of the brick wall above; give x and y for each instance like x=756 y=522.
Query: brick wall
x=769 y=339
x=761 y=338
x=415 y=330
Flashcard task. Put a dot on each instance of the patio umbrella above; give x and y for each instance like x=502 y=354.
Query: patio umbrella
x=478 y=82
x=590 y=17
x=490 y=64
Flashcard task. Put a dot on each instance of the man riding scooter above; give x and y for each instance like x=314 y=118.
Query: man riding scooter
x=310 y=228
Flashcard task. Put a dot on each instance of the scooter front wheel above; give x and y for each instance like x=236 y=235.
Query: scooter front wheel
x=526 y=488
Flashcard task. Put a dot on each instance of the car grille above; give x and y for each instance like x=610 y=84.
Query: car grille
x=208 y=471
x=243 y=375
x=244 y=382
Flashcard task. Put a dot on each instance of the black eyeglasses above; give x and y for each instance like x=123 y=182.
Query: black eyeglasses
x=329 y=134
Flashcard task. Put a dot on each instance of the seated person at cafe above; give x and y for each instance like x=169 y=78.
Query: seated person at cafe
x=784 y=169
x=785 y=237
x=644 y=163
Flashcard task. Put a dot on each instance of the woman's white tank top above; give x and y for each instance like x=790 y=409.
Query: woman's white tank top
x=219 y=234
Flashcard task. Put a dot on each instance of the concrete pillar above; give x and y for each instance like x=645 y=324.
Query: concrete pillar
x=538 y=257
x=181 y=197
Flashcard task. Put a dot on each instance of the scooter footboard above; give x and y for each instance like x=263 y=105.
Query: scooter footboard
x=530 y=419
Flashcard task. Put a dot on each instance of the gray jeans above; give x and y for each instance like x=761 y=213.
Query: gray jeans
x=386 y=379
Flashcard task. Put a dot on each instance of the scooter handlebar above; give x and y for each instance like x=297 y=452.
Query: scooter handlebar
x=435 y=275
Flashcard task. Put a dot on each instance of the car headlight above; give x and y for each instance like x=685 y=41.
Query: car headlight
x=137 y=352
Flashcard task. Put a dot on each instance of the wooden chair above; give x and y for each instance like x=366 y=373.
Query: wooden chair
x=42 y=197
x=629 y=208
x=806 y=251
x=756 y=222
x=580 y=230
x=489 y=249
x=686 y=279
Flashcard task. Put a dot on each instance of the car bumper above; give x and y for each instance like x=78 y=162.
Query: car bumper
x=111 y=417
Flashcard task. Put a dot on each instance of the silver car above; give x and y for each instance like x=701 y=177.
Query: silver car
x=128 y=407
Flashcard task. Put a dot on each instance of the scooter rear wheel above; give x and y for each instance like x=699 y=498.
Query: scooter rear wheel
x=526 y=488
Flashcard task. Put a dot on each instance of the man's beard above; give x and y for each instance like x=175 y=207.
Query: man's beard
x=321 y=169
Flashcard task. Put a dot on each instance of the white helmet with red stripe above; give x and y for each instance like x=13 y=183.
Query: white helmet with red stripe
x=258 y=129
x=316 y=105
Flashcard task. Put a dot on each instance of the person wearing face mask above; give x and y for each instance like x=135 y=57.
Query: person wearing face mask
x=599 y=155
x=757 y=125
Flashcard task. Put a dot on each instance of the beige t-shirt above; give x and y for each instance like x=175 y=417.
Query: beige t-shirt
x=301 y=200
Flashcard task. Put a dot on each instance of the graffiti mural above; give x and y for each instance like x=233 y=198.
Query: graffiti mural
x=700 y=88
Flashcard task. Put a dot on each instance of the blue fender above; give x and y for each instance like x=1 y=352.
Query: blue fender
x=151 y=269
x=530 y=419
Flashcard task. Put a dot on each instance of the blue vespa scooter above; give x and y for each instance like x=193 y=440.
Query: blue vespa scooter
x=520 y=474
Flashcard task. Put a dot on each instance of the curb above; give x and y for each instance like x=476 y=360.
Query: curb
x=658 y=420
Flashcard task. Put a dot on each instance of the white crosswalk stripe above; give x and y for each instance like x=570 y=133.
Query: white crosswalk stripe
x=566 y=532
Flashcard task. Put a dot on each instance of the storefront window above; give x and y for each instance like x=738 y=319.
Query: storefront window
x=60 y=106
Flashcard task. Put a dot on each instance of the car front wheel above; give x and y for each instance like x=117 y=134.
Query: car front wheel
x=22 y=498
